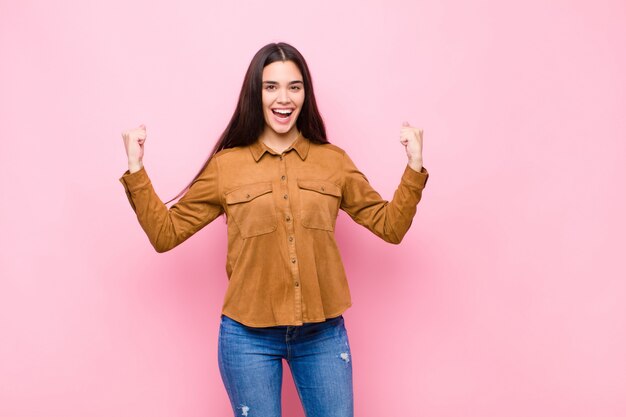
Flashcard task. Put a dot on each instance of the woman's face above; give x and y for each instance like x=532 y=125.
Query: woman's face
x=283 y=96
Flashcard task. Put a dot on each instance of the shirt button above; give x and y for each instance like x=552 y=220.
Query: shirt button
x=293 y=260
x=297 y=284
x=281 y=157
x=291 y=238
x=288 y=218
x=283 y=178
x=285 y=196
x=322 y=188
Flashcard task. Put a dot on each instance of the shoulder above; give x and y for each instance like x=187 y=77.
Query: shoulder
x=229 y=151
x=327 y=149
x=231 y=155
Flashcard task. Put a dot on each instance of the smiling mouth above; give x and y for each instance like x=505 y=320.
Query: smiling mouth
x=282 y=113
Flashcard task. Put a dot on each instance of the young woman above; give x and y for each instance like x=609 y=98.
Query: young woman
x=280 y=184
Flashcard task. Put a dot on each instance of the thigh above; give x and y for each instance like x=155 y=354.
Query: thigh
x=321 y=365
x=251 y=367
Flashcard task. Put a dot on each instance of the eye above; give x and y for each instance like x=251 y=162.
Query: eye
x=296 y=87
x=270 y=87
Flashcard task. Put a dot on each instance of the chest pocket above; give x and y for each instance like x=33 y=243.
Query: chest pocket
x=319 y=202
x=252 y=209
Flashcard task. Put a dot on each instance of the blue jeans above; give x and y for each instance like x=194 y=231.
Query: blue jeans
x=318 y=354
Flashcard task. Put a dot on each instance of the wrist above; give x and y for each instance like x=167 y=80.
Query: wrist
x=416 y=164
x=134 y=166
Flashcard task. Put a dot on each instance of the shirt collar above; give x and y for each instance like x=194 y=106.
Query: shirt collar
x=300 y=145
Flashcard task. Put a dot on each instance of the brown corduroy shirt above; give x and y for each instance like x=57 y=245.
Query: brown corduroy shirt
x=283 y=263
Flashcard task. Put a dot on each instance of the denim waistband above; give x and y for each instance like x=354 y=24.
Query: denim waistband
x=307 y=328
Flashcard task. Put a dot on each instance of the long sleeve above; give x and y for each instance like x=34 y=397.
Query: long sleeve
x=389 y=220
x=167 y=228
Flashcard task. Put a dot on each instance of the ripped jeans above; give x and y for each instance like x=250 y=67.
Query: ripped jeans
x=318 y=354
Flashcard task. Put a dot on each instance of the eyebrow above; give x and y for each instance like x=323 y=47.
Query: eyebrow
x=290 y=83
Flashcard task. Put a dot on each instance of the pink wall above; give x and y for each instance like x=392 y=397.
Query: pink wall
x=507 y=297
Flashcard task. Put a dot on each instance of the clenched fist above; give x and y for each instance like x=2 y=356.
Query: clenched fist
x=134 y=140
x=413 y=139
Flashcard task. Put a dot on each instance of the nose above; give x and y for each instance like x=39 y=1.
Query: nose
x=283 y=96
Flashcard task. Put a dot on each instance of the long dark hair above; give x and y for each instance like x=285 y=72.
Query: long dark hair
x=247 y=122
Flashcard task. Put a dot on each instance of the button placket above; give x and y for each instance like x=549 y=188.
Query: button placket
x=291 y=247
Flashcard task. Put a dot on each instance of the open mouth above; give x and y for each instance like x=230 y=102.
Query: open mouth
x=282 y=113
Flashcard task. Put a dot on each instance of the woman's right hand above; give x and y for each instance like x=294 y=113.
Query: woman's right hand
x=133 y=142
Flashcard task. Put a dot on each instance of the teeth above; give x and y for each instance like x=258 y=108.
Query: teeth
x=283 y=111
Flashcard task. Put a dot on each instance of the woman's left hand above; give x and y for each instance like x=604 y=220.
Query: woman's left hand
x=413 y=139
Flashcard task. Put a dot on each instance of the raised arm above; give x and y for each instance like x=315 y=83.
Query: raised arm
x=390 y=220
x=167 y=228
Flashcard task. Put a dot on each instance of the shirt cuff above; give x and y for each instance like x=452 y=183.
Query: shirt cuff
x=414 y=178
x=136 y=180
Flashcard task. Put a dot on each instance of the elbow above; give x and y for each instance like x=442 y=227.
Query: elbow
x=395 y=233
x=161 y=249
x=160 y=246
x=163 y=242
x=392 y=236
x=394 y=240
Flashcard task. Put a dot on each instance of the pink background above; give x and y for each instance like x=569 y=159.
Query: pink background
x=506 y=298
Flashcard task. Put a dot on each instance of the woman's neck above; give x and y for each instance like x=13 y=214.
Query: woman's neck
x=279 y=142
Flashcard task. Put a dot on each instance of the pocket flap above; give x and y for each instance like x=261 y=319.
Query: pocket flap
x=324 y=187
x=248 y=192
